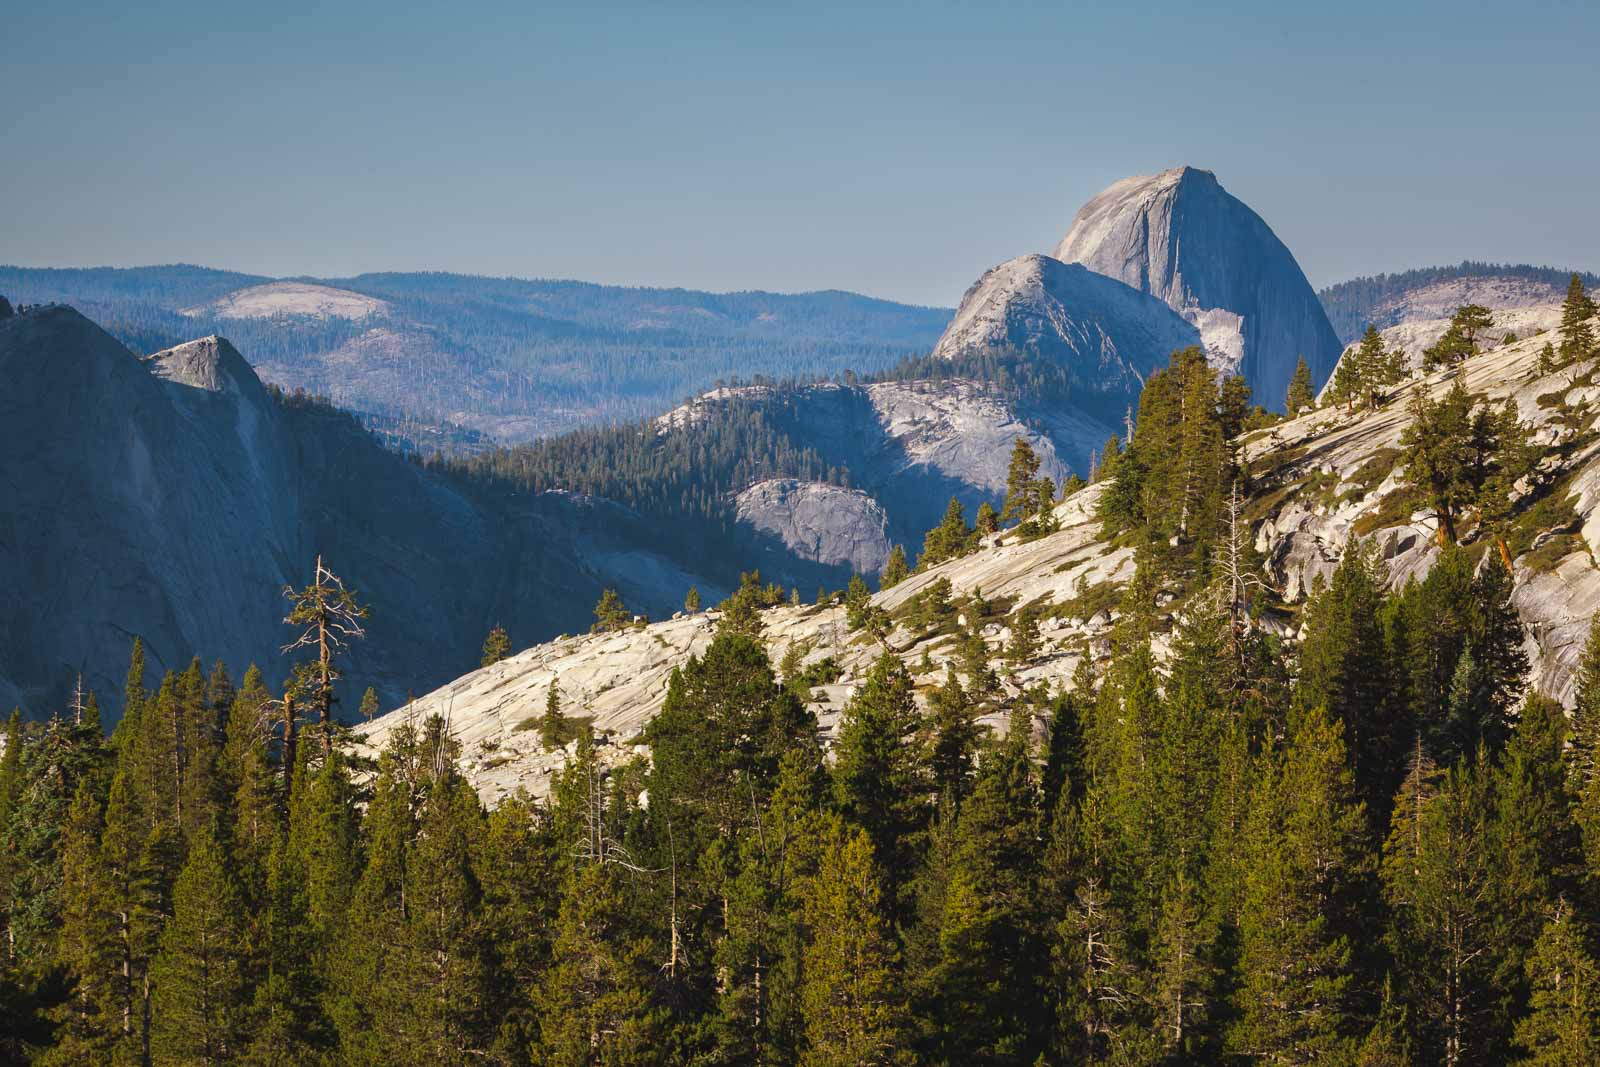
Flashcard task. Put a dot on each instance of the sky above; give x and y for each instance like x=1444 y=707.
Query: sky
x=892 y=149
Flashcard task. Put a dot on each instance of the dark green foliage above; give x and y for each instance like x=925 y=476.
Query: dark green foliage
x=948 y=540
x=610 y=614
x=1460 y=340
x=1301 y=394
x=496 y=647
x=1577 y=332
x=895 y=570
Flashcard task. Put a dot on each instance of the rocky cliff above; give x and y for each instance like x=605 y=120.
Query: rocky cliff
x=173 y=498
x=1181 y=237
x=1320 y=480
x=1106 y=335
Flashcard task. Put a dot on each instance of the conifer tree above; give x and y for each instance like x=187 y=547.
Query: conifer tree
x=691 y=601
x=594 y=1002
x=1020 y=477
x=553 y=723
x=991 y=960
x=986 y=521
x=199 y=999
x=329 y=618
x=496 y=647
x=369 y=707
x=1585 y=753
x=610 y=614
x=954 y=739
x=1438 y=883
x=1303 y=882
x=1345 y=669
x=442 y=960
x=1577 y=334
x=876 y=775
x=895 y=570
x=850 y=996
x=86 y=943
x=948 y=540
x=1300 y=393
x=1562 y=1027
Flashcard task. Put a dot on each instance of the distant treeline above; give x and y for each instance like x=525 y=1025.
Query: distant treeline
x=1349 y=304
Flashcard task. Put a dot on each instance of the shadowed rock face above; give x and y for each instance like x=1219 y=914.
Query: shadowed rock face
x=1107 y=335
x=820 y=522
x=173 y=498
x=1182 y=238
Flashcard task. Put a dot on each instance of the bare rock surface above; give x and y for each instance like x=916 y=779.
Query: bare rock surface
x=1323 y=479
x=820 y=522
x=1181 y=237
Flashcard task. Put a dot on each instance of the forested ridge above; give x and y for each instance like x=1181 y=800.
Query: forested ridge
x=1357 y=840
x=511 y=357
x=1349 y=304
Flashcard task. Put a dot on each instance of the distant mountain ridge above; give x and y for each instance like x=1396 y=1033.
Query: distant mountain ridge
x=1379 y=299
x=511 y=358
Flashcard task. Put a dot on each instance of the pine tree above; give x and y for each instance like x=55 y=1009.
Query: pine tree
x=849 y=997
x=691 y=601
x=1304 y=867
x=369 y=707
x=1562 y=1027
x=1345 y=669
x=1585 y=753
x=876 y=775
x=1534 y=844
x=895 y=569
x=1300 y=393
x=86 y=943
x=1020 y=476
x=1577 y=334
x=329 y=618
x=496 y=647
x=953 y=743
x=986 y=521
x=553 y=723
x=594 y=1002
x=948 y=540
x=1438 y=883
x=1460 y=340
x=991 y=961
x=610 y=614
x=442 y=959
x=1024 y=644
x=199 y=1000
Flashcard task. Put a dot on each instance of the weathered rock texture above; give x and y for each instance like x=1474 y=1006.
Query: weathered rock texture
x=173 y=498
x=819 y=522
x=1106 y=334
x=1182 y=238
x=1318 y=477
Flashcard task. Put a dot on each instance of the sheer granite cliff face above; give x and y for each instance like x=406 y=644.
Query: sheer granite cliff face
x=173 y=498
x=1182 y=238
x=820 y=522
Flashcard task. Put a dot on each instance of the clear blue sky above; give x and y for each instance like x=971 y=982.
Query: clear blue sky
x=894 y=149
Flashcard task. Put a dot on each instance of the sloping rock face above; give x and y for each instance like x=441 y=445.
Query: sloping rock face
x=1318 y=477
x=910 y=446
x=1106 y=334
x=174 y=498
x=1414 y=320
x=820 y=522
x=1182 y=238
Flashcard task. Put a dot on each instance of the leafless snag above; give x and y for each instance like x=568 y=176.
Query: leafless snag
x=330 y=619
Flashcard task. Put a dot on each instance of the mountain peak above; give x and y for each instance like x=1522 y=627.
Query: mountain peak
x=1184 y=239
x=208 y=363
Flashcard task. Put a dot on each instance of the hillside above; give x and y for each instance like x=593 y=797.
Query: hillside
x=172 y=498
x=1317 y=481
x=1430 y=294
x=514 y=359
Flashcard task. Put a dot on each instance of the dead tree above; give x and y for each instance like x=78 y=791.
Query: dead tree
x=330 y=619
